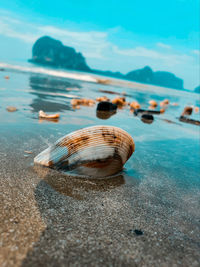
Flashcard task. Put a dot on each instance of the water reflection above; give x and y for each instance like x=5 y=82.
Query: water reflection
x=48 y=106
x=104 y=115
x=49 y=84
x=51 y=93
x=74 y=186
x=41 y=120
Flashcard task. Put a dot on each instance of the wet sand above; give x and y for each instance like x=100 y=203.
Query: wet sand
x=50 y=219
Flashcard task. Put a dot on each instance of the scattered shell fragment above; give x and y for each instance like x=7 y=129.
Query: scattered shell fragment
x=196 y=109
x=96 y=151
x=7 y=77
x=75 y=102
x=88 y=102
x=83 y=101
x=103 y=81
x=28 y=152
x=134 y=105
x=102 y=98
x=43 y=115
x=174 y=104
x=162 y=104
x=187 y=111
x=151 y=107
x=119 y=101
x=153 y=103
x=11 y=109
x=166 y=101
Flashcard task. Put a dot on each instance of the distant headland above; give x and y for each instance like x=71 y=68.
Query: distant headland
x=197 y=89
x=50 y=52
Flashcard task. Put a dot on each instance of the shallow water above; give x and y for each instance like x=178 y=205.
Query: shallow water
x=49 y=219
x=165 y=146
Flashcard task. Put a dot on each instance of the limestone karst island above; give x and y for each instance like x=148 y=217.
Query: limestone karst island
x=50 y=52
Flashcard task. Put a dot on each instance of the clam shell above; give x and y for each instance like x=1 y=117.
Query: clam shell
x=97 y=151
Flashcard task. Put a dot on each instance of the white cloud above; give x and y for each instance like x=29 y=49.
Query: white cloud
x=100 y=52
x=168 y=58
x=91 y=43
x=196 y=52
x=11 y=28
x=166 y=46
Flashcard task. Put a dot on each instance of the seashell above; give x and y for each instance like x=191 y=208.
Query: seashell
x=84 y=101
x=134 y=105
x=196 y=109
x=88 y=102
x=43 y=115
x=119 y=101
x=187 y=111
x=103 y=81
x=102 y=98
x=166 y=101
x=11 y=109
x=162 y=104
x=96 y=151
x=75 y=102
x=174 y=104
x=153 y=103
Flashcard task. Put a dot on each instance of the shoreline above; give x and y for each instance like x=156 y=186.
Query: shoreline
x=89 y=77
x=50 y=219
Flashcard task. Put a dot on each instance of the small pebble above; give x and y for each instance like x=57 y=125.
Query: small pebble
x=138 y=232
x=147 y=118
x=106 y=106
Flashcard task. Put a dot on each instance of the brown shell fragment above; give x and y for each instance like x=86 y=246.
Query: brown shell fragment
x=102 y=98
x=119 y=101
x=43 y=115
x=134 y=105
x=187 y=111
x=11 y=109
x=153 y=103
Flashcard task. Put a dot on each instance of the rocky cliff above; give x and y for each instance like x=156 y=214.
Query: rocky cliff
x=48 y=51
x=197 y=89
x=161 y=78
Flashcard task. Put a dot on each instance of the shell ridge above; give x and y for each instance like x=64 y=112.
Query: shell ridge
x=95 y=150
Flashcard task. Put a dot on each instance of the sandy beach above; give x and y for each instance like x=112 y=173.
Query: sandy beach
x=148 y=215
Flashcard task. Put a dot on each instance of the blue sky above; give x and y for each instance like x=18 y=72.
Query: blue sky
x=112 y=35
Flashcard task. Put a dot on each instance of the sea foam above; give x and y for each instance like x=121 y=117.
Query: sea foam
x=56 y=73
